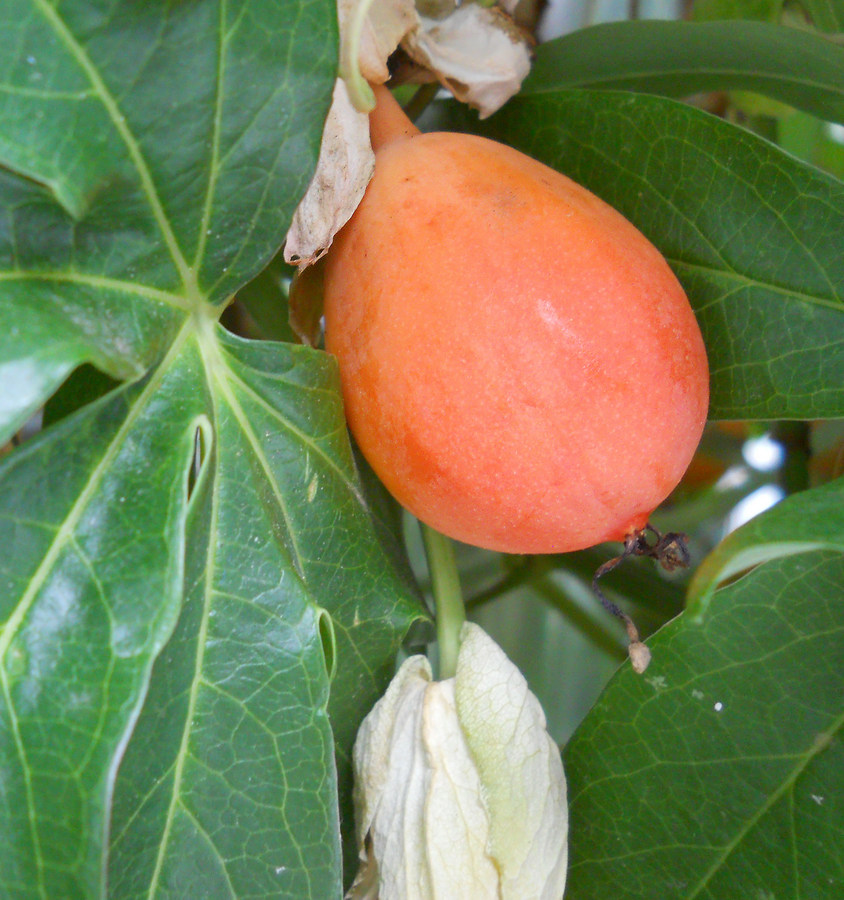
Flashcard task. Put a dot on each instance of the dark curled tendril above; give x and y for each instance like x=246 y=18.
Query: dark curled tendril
x=670 y=550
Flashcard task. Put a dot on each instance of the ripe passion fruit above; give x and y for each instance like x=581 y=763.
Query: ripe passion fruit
x=519 y=364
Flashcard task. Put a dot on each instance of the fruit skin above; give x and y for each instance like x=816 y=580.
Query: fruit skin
x=519 y=364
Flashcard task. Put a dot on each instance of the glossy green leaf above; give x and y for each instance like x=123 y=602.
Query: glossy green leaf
x=720 y=773
x=810 y=520
x=753 y=235
x=826 y=15
x=676 y=59
x=150 y=158
x=92 y=584
x=191 y=556
x=234 y=747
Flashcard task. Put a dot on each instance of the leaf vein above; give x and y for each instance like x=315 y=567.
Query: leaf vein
x=51 y=14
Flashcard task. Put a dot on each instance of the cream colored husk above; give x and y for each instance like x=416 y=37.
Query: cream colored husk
x=459 y=789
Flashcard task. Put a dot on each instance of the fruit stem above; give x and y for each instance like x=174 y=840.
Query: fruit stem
x=388 y=121
x=448 y=598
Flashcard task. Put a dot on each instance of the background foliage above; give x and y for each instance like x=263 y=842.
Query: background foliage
x=204 y=590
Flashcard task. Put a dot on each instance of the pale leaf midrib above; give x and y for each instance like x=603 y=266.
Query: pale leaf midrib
x=66 y=530
x=196 y=680
x=215 y=143
x=305 y=440
x=210 y=355
x=167 y=298
x=748 y=281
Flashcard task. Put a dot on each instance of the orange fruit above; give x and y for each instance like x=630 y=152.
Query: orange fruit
x=519 y=364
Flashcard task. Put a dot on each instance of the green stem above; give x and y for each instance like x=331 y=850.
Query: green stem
x=521 y=572
x=418 y=103
x=448 y=599
x=360 y=93
x=600 y=631
x=794 y=437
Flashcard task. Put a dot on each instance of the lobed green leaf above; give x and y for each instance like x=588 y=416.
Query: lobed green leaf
x=151 y=156
x=233 y=751
x=93 y=515
x=185 y=548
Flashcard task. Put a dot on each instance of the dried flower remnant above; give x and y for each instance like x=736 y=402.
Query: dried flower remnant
x=345 y=166
x=477 y=52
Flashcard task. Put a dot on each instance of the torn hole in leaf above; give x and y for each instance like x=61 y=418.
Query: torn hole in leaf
x=31 y=426
x=325 y=626
x=201 y=447
x=83 y=386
